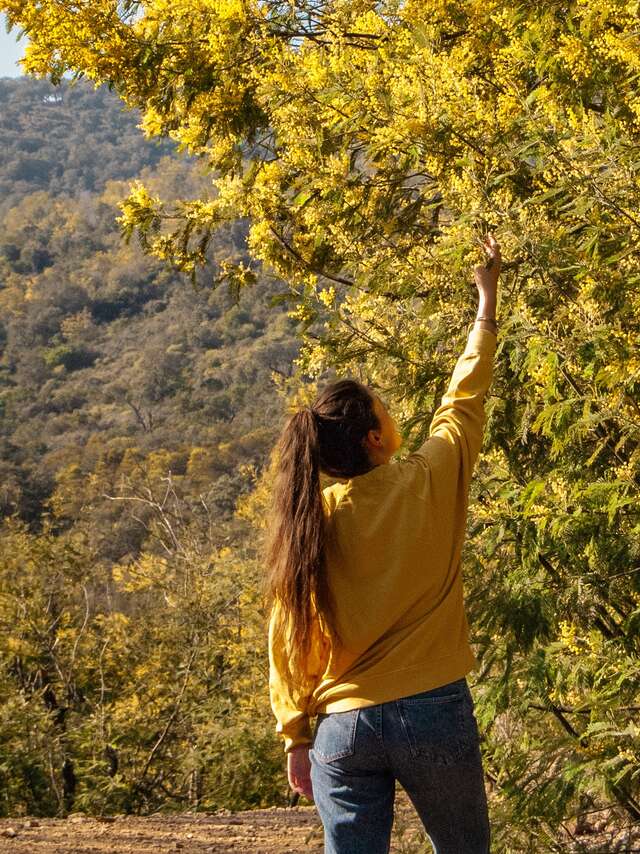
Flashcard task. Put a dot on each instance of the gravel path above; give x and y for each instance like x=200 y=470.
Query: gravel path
x=294 y=830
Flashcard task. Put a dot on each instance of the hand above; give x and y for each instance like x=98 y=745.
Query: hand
x=486 y=276
x=299 y=771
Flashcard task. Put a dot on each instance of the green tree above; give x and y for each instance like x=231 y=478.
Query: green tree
x=135 y=686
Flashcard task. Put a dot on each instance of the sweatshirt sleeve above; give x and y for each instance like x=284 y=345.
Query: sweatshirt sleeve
x=456 y=430
x=290 y=694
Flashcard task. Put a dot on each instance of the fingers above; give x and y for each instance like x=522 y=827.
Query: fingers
x=304 y=789
x=486 y=275
x=308 y=793
x=489 y=244
x=299 y=784
x=492 y=248
x=298 y=772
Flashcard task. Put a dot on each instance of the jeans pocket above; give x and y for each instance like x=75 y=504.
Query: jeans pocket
x=335 y=735
x=440 y=728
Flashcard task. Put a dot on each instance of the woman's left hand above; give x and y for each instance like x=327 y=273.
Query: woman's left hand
x=299 y=770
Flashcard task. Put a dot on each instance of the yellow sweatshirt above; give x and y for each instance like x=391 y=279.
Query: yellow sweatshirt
x=395 y=569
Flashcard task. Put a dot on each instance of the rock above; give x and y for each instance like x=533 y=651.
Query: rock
x=32 y=823
x=11 y=832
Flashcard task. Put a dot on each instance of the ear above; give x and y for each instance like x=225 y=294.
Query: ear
x=372 y=438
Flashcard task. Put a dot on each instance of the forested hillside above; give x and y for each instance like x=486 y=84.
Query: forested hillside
x=108 y=360
x=67 y=141
x=136 y=408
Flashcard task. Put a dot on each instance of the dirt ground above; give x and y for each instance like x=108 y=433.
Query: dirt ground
x=294 y=830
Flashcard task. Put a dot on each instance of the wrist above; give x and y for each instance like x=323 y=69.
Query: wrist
x=487 y=305
x=487 y=323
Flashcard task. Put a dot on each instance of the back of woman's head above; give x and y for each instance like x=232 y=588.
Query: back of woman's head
x=327 y=436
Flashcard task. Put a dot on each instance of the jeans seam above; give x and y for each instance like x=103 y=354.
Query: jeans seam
x=380 y=732
x=405 y=728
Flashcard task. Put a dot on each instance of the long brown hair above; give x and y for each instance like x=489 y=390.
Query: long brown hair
x=328 y=437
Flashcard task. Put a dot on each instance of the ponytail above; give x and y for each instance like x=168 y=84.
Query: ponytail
x=327 y=436
x=295 y=551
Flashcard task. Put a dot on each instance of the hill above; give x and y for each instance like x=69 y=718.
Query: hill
x=136 y=409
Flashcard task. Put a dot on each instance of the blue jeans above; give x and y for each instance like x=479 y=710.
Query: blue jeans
x=429 y=742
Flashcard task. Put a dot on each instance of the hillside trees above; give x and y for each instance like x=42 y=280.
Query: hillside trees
x=99 y=340
x=134 y=411
x=130 y=687
x=51 y=136
x=368 y=144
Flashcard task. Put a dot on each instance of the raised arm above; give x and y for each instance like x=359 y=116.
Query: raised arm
x=460 y=417
x=455 y=433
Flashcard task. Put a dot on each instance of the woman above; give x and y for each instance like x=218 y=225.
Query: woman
x=367 y=627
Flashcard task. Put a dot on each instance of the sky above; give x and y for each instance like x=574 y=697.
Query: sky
x=10 y=51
